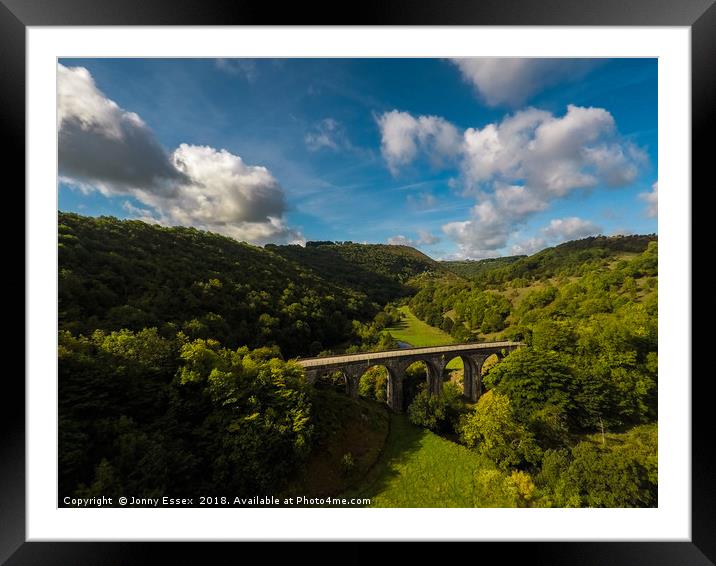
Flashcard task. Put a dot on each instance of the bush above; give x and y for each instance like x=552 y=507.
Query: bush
x=348 y=464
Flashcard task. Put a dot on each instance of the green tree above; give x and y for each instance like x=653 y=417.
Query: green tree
x=532 y=380
x=621 y=472
x=427 y=410
x=437 y=412
x=373 y=384
x=492 y=429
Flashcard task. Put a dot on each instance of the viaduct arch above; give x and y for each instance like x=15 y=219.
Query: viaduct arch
x=353 y=366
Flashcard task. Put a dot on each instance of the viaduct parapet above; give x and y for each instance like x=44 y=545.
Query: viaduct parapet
x=435 y=358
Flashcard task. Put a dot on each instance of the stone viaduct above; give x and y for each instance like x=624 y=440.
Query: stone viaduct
x=353 y=366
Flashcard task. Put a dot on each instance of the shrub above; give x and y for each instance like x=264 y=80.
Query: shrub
x=348 y=464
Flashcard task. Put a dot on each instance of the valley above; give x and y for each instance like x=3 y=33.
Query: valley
x=178 y=370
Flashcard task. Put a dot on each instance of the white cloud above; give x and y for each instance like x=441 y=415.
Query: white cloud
x=404 y=136
x=224 y=195
x=327 y=134
x=399 y=240
x=551 y=155
x=139 y=213
x=422 y=201
x=517 y=167
x=528 y=246
x=494 y=220
x=79 y=100
x=572 y=228
x=652 y=200
x=239 y=67
x=103 y=147
x=424 y=238
x=512 y=81
x=517 y=200
x=483 y=234
x=617 y=164
x=223 y=189
x=559 y=230
x=622 y=232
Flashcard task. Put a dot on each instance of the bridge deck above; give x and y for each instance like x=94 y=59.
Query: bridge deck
x=404 y=353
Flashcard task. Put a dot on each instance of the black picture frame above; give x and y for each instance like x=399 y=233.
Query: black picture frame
x=16 y=15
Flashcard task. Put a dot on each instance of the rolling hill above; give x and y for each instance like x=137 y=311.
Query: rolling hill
x=382 y=271
x=574 y=258
x=129 y=274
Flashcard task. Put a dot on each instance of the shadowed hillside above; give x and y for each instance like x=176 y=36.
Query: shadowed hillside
x=379 y=270
x=129 y=274
x=117 y=274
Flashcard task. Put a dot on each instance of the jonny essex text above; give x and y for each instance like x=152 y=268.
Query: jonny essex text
x=214 y=501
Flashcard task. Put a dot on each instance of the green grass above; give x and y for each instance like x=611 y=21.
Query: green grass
x=419 y=334
x=421 y=469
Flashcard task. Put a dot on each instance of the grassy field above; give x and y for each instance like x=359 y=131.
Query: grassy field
x=417 y=333
x=394 y=463
x=420 y=469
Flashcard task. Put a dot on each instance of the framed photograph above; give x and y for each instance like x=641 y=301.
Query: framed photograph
x=294 y=278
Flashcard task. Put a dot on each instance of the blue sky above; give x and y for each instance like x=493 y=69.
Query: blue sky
x=459 y=158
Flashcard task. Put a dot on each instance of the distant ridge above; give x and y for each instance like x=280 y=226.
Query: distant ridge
x=572 y=257
x=472 y=267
